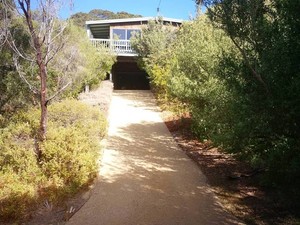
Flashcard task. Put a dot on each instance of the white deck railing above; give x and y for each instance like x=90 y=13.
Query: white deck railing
x=120 y=47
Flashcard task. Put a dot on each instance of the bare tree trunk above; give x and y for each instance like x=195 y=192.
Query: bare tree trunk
x=46 y=42
x=42 y=71
x=43 y=102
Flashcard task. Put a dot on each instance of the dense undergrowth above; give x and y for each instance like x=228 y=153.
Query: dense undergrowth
x=239 y=78
x=43 y=61
x=69 y=158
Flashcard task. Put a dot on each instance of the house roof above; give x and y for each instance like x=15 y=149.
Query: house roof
x=100 y=28
x=130 y=20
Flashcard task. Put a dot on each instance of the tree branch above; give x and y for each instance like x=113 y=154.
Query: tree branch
x=58 y=92
x=55 y=51
x=20 y=72
x=13 y=46
x=256 y=75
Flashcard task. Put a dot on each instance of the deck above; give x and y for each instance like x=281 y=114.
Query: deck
x=119 y=47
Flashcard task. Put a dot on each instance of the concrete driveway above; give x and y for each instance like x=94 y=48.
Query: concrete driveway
x=145 y=179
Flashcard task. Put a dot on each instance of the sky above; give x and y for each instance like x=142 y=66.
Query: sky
x=178 y=9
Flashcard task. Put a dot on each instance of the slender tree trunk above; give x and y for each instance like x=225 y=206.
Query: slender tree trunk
x=46 y=43
x=25 y=6
x=43 y=96
x=43 y=102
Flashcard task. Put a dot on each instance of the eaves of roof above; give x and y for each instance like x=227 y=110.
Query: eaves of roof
x=128 y=20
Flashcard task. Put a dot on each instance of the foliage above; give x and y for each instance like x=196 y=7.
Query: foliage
x=99 y=14
x=268 y=112
x=10 y=99
x=69 y=160
x=71 y=149
x=19 y=171
x=199 y=50
x=79 y=62
x=154 y=47
x=261 y=75
x=237 y=70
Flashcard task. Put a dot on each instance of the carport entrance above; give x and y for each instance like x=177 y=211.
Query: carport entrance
x=127 y=75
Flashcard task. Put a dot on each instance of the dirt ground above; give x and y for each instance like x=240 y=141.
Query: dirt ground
x=145 y=178
x=235 y=183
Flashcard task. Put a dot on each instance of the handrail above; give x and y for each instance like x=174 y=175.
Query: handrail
x=118 y=46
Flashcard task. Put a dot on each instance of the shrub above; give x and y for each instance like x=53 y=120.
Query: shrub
x=71 y=152
x=78 y=64
x=69 y=156
x=71 y=113
x=265 y=83
x=239 y=75
x=155 y=48
x=194 y=79
x=20 y=174
x=69 y=159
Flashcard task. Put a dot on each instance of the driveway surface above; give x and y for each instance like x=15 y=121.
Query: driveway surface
x=145 y=179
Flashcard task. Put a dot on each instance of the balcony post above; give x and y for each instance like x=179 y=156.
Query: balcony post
x=88 y=31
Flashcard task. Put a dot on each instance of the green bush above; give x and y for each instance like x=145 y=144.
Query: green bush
x=79 y=62
x=70 y=152
x=71 y=113
x=155 y=48
x=265 y=83
x=69 y=156
x=194 y=79
x=20 y=174
x=239 y=75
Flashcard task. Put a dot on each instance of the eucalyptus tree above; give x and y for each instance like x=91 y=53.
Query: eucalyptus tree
x=45 y=40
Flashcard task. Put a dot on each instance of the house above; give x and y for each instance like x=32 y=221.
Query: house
x=115 y=34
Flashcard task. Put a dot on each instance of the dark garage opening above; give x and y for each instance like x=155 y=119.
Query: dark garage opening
x=128 y=76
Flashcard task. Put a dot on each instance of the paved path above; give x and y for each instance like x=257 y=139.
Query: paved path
x=145 y=179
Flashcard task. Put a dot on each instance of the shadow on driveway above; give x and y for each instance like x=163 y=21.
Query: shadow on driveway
x=145 y=178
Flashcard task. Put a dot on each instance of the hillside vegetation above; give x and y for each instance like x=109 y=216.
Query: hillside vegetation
x=42 y=55
x=68 y=163
x=236 y=70
x=99 y=14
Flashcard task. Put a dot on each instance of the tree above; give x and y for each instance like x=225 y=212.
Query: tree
x=99 y=14
x=265 y=112
x=79 y=63
x=46 y=39
x=10 y=99
x=241 y=21
x=154 y=46
x=198 y=51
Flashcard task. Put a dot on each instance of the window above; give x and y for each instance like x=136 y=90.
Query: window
x=119 y=34
x=124 y=34
x=130 y=33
